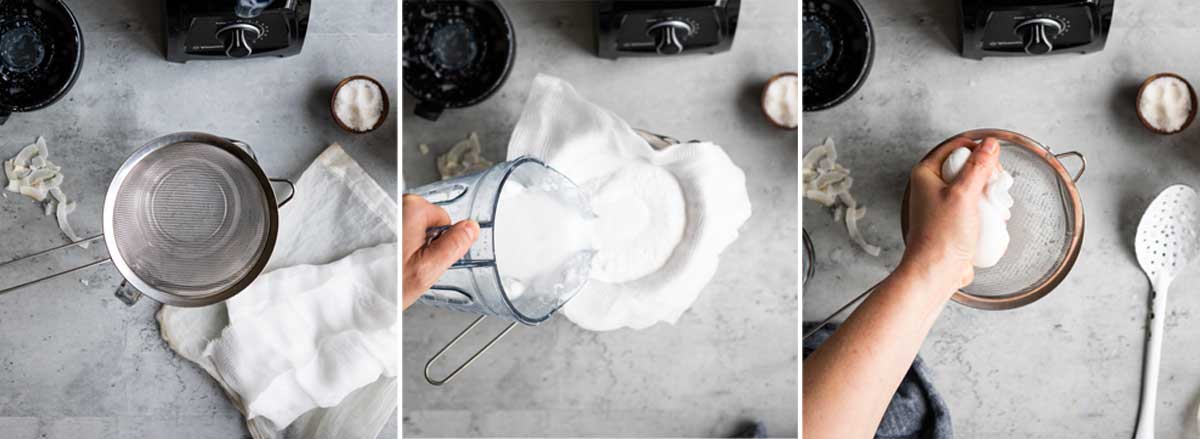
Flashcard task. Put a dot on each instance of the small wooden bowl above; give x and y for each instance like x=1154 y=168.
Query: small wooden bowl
x=382 y=92
x=1138 y=104
x=762 y=104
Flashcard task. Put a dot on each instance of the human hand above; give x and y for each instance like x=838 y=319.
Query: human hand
x=943 y=218
x=423 y=263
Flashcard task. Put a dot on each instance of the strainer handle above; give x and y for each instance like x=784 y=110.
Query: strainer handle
x=244 y=146
x=127 y=293
x=438 y=355
x=656 y=141
x=52 y=276
x=291 y=193
x=1082 y=163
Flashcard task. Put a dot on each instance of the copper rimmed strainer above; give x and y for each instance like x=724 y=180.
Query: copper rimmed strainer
x=1045 y=229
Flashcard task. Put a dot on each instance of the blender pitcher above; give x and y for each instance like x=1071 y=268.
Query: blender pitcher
x=475 y=283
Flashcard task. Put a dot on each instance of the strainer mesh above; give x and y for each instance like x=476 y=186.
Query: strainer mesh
x=1040 y=229
x=191 y=219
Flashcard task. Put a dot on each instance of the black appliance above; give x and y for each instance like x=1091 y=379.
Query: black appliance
x=838 y=48
x=41 y=54
x=653 y=28
x=455 y=53
x=231 y=29
x=1029 y=27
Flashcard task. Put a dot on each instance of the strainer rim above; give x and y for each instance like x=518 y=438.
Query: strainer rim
x=168 y=297
x=1027 y=295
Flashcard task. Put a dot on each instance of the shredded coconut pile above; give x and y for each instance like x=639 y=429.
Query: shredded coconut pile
x=32 y=174
x=464 y=158
x=827 y=182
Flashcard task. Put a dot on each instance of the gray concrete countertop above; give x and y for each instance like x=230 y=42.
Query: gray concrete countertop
x=1068 y=365
x=74 y=361
x=732 y=357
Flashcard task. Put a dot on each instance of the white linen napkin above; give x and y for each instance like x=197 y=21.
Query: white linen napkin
x=319 y=328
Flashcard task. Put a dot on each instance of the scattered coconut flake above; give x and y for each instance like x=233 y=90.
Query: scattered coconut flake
x=464 y=158
x=827 y=182
x=30 y=173
x=424 y=149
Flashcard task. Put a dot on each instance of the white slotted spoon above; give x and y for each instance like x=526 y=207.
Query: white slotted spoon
x=1166 y=241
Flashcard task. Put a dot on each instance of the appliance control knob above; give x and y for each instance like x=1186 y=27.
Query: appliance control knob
x=237 y=38
x=1037 y=32
x=669 y=36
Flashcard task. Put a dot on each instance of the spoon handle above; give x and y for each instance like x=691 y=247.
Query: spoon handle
x=1158 y=314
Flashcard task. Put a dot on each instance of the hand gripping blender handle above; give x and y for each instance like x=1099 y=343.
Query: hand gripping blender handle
x=455 y=289
x=448 y=293
x=451 y=288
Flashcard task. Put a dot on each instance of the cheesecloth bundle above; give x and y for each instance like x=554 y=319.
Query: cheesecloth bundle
x=589 y=144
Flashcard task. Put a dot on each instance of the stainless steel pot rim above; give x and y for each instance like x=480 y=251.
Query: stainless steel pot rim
x=243 y=153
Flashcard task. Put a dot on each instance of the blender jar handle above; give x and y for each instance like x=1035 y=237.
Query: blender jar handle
x=438 y=355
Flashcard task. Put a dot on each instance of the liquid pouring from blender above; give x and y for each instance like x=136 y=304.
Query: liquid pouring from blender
x=508 y=272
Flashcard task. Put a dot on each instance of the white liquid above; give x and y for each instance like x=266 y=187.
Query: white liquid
x=537 y=235
x=1165 y=103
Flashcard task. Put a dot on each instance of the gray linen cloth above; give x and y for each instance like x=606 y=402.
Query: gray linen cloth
x=916 y=410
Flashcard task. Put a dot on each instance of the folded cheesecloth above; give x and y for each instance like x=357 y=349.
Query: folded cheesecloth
x=916 y=410
x=309 y=349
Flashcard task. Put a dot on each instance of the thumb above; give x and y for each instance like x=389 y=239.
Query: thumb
x=437 y=256
x=979 y=167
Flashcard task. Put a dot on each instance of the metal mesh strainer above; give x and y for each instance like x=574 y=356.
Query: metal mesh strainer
x=1045 y=230
x=189 y=218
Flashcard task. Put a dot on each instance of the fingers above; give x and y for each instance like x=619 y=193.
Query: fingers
x=934 y=159
x=423 y=214
x=437 y=256
x=419 y=215
x=979 y=167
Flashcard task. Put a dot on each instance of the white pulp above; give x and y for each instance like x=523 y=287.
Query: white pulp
x=993 y=209
x=640 y=219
